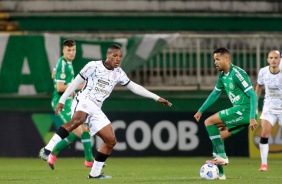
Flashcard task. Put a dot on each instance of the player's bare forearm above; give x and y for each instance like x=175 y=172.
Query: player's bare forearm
x=59 y=108
x=164 y=102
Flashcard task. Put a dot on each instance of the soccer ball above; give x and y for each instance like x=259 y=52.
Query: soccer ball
x=209 y=172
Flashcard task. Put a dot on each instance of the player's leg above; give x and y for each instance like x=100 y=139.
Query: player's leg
x=263 y=145
x=86 y=141
x=267 y=121
x=224 y=133
x=78 y=118
x=74 y=136
x=44 y=152
x=104 y=150
x=212 y=125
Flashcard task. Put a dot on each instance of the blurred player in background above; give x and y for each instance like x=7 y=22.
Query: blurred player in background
x=227 y=122
x=270 y=78
x=63 y=75
x=100 y=78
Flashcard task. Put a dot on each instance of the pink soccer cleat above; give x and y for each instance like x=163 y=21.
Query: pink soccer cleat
x=51 y=160
x=218 y=161
x=88 y=164
x=263 y=167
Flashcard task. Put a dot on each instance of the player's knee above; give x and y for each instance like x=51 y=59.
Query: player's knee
x=264 y=140
x=111 y=143
x=207 y=122
x=76 y=122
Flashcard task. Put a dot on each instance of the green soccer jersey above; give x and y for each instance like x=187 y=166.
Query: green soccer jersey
x=236 y=83
x=64 y=73
x=239 y=89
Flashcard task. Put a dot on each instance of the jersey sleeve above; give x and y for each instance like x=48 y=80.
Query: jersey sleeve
x=210 y=100
x=219 y=85
x=243 y=81
x=260 y=78
x=88 y=70
x=61 y=71
x=123 y=80
x=213 y=96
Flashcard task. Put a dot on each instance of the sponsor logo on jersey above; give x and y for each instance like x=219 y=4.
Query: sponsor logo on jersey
x=235 y=120
x=103 y=82
x=224 y=112
x=245 y=84
x=233 y=98
x=240 y=77
x=99 y=90
x=239 y=113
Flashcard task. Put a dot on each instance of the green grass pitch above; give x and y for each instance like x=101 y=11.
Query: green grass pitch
x=135 y=170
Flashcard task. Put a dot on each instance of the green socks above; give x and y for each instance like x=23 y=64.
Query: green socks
x=64 y=143
x=86 y=141
x=220 y=167
x=214 y=135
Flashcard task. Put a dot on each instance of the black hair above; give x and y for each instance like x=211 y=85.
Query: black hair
x=115 y=46
x=69 y=43
x=221 y=50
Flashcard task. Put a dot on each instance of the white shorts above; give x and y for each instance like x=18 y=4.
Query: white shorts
x=272 y=118
x=96 y=119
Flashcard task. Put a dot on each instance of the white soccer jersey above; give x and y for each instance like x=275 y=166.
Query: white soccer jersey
x=273 y=90
x=100 y=81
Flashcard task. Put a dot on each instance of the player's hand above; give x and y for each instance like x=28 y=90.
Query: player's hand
x=253 y=124
x=198 y=116
x=164 y=102
x=59 y=108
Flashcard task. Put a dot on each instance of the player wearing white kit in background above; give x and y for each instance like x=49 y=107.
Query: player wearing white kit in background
x=271 y=78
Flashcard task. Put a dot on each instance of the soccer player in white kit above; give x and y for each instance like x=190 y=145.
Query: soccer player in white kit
x=269 y=77
x=100 y=77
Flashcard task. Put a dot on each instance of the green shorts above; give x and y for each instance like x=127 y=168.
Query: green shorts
x=235 y=118
x=65 y=114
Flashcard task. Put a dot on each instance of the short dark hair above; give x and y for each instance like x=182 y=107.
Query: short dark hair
x=69 y=43
x=221 y=50
x=115 y=46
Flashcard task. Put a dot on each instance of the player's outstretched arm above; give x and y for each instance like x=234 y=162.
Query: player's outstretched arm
x=164 y=102
x=140 y=90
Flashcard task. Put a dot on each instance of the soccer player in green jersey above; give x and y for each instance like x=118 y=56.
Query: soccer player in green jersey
x=242 y=114
x=63 y=75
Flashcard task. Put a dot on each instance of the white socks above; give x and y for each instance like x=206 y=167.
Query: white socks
x=96 y=168
x=263 y=152
x=52 y=143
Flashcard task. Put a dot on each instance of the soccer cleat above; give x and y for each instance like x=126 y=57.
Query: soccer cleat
x=88 y=164
x=51 y=160
x=101 y=176
x=218 y=160
x=223 y=177
x=44 y=153
x=263 y=167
